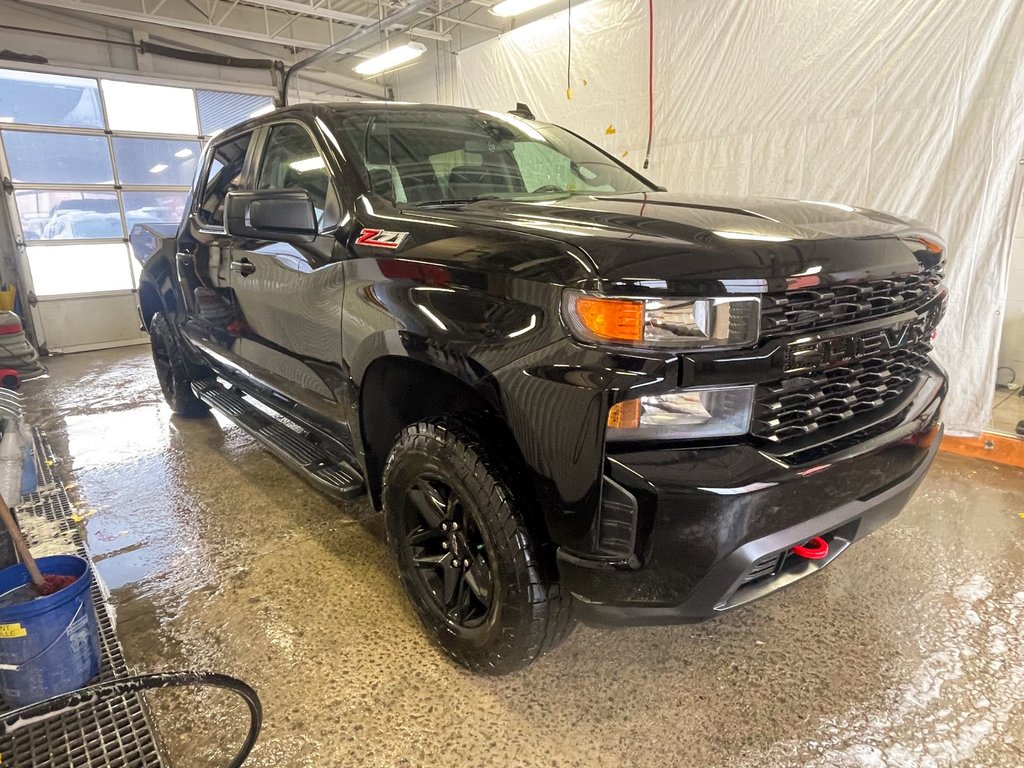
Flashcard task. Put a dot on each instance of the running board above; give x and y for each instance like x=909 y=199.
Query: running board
x=334 y=477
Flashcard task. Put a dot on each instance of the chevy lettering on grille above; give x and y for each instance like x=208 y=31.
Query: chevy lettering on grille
x=839 y=350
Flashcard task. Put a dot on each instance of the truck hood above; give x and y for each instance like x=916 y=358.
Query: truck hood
x=661 y=237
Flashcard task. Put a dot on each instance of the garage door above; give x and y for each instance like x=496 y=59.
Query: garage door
x=84 y=161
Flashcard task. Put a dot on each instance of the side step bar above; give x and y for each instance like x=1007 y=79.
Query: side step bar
x=335 y=477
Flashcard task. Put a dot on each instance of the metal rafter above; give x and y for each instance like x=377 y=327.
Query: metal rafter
x=266 y=29
x=184 y=38
x=318 y=11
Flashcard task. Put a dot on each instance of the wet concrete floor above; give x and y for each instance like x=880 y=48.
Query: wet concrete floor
x=907 y=651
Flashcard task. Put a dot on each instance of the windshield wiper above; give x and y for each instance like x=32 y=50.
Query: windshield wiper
x=456 y=201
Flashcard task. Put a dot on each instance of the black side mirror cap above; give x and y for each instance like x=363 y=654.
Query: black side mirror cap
x=284 y=215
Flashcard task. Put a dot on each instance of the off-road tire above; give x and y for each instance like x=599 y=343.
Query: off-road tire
x=529 y=615
x=173 y=373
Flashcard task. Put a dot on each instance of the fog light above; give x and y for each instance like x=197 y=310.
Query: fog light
x=686 y=413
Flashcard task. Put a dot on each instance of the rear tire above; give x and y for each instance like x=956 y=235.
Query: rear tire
x=172 y=371
x=465 y=556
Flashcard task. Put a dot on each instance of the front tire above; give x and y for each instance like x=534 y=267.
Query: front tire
x=465 y=556
x=172 y=371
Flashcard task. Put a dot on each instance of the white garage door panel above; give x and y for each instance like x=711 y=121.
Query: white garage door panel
x=79 y=268
x=91 y=322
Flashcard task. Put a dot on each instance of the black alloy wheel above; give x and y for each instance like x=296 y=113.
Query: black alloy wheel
x=447 y=548
x=482 y=581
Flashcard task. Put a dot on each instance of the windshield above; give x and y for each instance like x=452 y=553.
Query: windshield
x=436 y=156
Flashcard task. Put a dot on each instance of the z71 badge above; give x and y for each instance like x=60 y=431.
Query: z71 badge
x=379 y=238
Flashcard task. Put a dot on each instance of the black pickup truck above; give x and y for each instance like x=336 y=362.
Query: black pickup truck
x=573 y=395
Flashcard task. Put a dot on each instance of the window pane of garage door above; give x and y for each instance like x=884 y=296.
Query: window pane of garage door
x=40 y=209
x=155 y=162
x=79 y=268
x=219 y=110
x=57 y=158
x=150 y=108
x=37 y=99
x=153 y=207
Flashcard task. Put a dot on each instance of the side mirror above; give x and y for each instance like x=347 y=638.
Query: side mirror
x=285 y=215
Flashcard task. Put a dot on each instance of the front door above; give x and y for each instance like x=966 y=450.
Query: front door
x=290 y=296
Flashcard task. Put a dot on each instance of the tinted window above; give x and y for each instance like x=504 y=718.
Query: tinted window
x=223 y=176
x=456 y=155
x=291 y=161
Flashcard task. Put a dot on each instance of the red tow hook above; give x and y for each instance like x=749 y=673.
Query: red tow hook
x=813 y=549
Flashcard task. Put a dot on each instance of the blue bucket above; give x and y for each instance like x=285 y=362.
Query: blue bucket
x=51 y=644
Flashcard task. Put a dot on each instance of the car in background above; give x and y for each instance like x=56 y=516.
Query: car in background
x=83 y=225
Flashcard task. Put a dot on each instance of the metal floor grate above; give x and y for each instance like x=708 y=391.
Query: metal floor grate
x=115 y=734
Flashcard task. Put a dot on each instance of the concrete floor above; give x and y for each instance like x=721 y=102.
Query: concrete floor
x=907 y=651
x=1007 y=411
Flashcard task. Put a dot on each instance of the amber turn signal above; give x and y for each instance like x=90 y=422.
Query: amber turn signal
x=612 y=319
x=625 y=415
x=930 y=245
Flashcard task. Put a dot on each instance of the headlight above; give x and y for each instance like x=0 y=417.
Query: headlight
x=718 y=323
x=687 y=413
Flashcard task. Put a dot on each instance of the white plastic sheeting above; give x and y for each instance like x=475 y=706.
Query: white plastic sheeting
x=914 y=107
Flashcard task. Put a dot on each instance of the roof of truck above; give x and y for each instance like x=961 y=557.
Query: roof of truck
x=322 y=107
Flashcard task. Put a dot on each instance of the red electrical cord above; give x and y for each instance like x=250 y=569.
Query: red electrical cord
x=650 y=84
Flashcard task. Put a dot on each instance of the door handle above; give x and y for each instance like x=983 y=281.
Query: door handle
x=243 y=267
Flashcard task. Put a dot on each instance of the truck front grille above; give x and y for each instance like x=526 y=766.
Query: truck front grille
x=806 y=402
x=828 y=306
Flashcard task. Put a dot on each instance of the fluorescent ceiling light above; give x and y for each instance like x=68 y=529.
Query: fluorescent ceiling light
x=183 y=153
x=158 y=168
x=515 y=7
x=307 y=164
x=396 y=57
x=263 y=110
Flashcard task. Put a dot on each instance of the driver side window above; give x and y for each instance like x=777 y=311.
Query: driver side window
x=291 y=161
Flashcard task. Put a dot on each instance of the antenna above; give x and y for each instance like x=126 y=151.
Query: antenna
x=522 y=111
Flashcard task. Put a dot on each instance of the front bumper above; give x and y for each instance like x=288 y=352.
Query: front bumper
x=709 y=518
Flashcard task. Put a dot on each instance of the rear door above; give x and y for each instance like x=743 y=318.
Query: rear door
x=289 y=296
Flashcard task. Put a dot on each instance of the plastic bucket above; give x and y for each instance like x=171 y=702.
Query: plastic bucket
x=51 y=644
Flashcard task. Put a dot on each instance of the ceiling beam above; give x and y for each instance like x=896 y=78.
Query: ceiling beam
x=176 y=23
x=86 y=23
x=257 y=31
x=353 y=19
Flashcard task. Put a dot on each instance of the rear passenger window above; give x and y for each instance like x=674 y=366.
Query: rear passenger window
x=223 y=176
x=291 y=161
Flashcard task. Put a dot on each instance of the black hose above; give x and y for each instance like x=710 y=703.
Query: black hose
x=94 y=694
